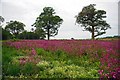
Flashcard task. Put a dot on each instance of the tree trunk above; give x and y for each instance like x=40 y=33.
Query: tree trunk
x=48 y=35
x=93 y=33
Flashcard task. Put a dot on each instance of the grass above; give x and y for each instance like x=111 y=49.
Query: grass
x=51 y=65
x=69 y=65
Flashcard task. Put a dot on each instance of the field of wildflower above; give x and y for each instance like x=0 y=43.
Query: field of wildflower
x=61 y=59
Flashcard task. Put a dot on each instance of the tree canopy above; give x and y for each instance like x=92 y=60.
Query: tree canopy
x=39 y=34
x=6 y=34
x=1 y=21
x=92 y=20
x=48 y=22
x=15 y=27
x=28 y=35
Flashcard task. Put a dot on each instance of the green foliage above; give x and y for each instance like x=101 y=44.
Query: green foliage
x=8 y=68
x=51 y=65
x=93 y=20
x=43 y=65
x=62 y=65
x=15 y=27
x=40 y=33
x=28 y=35
x=29 y=69
x=7 y=55
x=12 y=69
x=48 y=22
x=6 y=34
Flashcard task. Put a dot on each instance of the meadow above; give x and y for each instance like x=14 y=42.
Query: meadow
x=61 y=59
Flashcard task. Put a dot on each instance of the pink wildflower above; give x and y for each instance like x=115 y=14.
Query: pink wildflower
x=22 y=60
x=114 y=76
x=33 y=52
x=100 y=71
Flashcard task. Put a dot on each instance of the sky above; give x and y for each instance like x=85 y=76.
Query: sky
x=27 y=11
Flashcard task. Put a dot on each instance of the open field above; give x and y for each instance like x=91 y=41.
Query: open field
x=61 y=59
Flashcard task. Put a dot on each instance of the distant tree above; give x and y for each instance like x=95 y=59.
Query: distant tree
x=6 y=34
x=28 y=35
x=116 y=36
x=72 y=38
x=15 y=27
x=92 y=20
x=1 y=21
x=48 y=22
x=22 y=35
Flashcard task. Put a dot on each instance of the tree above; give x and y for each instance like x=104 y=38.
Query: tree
x=92 y=20
x=15 y=27
x=48 y=22
x=6 y=34
x=28 y=35
x=1 y=20
x=39 y=32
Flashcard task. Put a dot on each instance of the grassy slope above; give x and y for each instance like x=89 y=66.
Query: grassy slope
x=51 y=65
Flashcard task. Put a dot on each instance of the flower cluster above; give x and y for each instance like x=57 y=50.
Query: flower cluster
x=33 y=52
x=107 y=52
x=30 y=58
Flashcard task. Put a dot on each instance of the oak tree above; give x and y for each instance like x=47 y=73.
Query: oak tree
x=48 y=22
x=92 y=20
x=15 y=27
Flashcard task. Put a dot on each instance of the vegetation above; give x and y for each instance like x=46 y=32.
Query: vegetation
x=61 y=59
x=48 y=22
x=115 y=37
x=40 y=33
x=68 y=59
x=31 y=35
x=46 y=64
x=6 y=34
x=93 y=20
x=15 y=27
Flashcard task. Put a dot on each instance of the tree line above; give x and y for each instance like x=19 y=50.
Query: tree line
x=48 y=23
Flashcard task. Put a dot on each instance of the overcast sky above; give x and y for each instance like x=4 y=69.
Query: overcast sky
x=27 y=11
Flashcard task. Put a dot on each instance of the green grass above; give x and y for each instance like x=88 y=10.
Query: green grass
x=63 y=65
x=51 y=65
